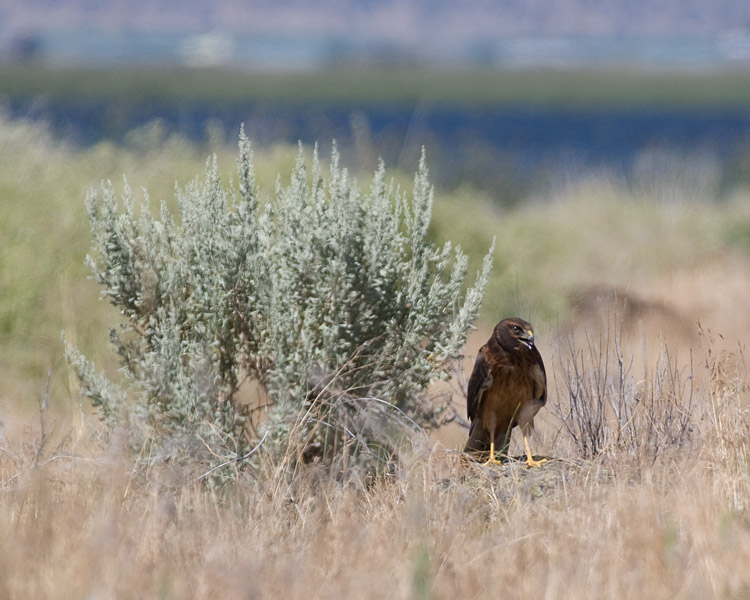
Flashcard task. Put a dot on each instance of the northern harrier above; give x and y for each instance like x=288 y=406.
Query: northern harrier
x=507 y=387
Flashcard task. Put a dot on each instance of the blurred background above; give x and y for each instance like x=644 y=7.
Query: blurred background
x=606 y=144
x=509 y=96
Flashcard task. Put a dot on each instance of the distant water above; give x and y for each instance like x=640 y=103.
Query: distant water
x=508 y=150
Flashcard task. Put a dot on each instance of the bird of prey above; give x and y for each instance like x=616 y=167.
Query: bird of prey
x=507 y=387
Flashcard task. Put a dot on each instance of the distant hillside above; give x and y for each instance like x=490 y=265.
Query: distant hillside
x=292 y=34
x=411 y=21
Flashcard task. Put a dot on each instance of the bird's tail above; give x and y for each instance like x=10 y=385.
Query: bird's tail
x=479 y=440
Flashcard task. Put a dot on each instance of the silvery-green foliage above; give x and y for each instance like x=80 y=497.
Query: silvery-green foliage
x=323 y=281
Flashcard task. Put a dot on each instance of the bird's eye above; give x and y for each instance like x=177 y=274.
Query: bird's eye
x=516 y=329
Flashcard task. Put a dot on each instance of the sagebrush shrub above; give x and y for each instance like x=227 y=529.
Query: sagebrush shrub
x=330 y=298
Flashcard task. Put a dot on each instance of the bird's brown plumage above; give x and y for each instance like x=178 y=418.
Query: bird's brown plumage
x=507 y=387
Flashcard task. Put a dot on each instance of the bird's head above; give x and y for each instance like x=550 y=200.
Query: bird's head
x=514 y=333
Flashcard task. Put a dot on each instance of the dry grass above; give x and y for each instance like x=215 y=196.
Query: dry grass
x=81 y=520
x=665 y=519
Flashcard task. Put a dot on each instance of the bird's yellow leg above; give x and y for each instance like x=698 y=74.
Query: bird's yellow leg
x=530 y=462
x=492 y=460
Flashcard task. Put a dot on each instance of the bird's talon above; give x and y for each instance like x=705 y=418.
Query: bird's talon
x=530 y=462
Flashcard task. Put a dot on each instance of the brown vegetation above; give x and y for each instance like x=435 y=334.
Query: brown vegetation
x=668 y=519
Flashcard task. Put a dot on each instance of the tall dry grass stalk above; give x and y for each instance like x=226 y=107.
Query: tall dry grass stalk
x=612 y=399
x=80 y=520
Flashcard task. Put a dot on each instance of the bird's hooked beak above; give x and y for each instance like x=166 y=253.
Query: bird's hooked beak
x=527 y=338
